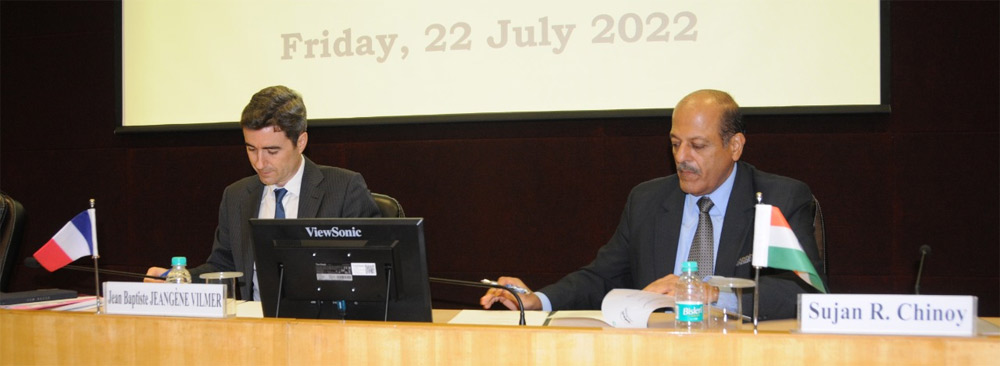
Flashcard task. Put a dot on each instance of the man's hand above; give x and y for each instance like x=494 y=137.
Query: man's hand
x=667 y=284
x=664 y=285
x=494 y=295
x=155 y=272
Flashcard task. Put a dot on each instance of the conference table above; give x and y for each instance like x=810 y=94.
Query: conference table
x=34 y=337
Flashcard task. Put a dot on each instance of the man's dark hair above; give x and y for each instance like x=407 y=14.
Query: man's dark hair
x=732 y=122
x=276 y=106
x=732 y=118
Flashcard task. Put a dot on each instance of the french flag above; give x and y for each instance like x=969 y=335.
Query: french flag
x=77 y=239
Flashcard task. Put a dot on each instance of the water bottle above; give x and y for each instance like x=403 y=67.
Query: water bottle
x=178 y=271
x=689 y=299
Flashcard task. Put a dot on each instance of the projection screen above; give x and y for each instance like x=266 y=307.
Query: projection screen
x=189 y=62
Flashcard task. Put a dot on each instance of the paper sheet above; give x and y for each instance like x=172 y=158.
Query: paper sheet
x=499 y=317
x=249 y=309
x=578 y=318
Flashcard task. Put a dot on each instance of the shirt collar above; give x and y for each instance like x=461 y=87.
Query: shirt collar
x=294 y=185
x=719 y=197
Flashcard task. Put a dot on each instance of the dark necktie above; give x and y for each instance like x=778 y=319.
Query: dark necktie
x=279 y=209
x=702 y=247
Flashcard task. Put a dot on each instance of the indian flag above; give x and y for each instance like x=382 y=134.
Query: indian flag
x=775 y=245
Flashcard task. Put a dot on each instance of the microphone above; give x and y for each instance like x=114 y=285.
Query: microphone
x=31 y=262
x=924 y=251
x=520 y=306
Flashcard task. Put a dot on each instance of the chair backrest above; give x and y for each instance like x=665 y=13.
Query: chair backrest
x=389 y=206
x=819 y=231
x=11 y=224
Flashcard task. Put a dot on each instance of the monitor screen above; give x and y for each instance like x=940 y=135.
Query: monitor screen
x=335 y=268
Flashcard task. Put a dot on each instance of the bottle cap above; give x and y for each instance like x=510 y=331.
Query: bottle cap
x=689 y=266
x=178 y=261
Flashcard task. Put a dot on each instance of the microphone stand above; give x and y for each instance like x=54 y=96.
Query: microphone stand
x=520 y=305
x=924 y=250
x=34 y=264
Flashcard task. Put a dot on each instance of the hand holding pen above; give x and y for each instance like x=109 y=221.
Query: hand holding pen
x=507 y=291
x=156 y=272
x=510 y=287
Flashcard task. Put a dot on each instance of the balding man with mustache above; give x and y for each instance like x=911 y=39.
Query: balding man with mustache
x=662 y=215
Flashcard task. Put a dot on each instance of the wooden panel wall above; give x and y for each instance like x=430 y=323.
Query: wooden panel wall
x=528 y=198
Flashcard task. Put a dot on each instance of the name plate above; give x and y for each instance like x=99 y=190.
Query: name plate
x=165 y=299
x=932 y=315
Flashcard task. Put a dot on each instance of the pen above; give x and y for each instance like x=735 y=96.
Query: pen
x=164 y=275
x=509 y=287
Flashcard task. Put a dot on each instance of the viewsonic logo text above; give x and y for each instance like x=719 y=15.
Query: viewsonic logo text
x=333 y=232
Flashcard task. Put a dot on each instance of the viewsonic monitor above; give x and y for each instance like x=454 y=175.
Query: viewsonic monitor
x=336 y=268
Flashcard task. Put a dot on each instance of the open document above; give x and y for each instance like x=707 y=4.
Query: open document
x=627 y=308
x=621 y=308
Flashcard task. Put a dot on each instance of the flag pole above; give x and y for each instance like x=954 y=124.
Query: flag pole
x=756 y=297
x=756 y=280
x=95 y=255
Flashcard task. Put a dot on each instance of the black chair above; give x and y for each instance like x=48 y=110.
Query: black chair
x=819 y=231
x=389 y=206
x=11 y=225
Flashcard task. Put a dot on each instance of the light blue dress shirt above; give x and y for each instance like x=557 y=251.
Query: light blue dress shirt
x=689 y=225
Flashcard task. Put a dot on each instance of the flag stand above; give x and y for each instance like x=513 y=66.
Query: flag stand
x=95 y=256
x=756 y=297
x=756 y=279
x=772 y=233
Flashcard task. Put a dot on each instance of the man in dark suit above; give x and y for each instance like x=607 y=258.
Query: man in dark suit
x=661 y=216
x=287 y=185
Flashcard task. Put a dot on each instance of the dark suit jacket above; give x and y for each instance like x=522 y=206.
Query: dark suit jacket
x=326 y=192
x=644 y=247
